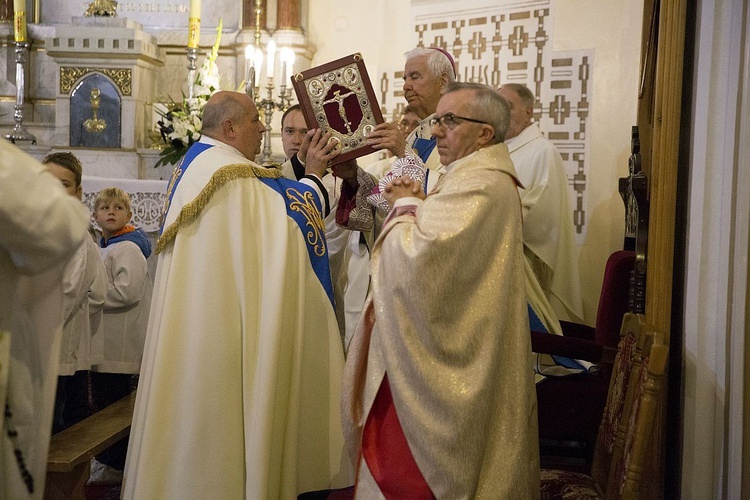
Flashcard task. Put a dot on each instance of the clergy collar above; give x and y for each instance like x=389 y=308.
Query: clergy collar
x=214 y=142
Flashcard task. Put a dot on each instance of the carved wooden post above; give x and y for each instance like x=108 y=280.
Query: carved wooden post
x=288 y=14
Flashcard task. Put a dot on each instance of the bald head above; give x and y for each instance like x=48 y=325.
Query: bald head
x=222 y=106
x=232 y=118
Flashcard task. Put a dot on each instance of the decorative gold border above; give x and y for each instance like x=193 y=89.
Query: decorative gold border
x=122 y=77
x=191 y=210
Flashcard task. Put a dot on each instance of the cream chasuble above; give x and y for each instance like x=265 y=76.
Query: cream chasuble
x=446 y=333
x=242 y=364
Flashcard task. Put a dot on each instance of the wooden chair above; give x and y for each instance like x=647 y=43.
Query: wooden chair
x=570 y=408
x=619 y=456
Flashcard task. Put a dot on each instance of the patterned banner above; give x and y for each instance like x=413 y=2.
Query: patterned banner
x=512 y=43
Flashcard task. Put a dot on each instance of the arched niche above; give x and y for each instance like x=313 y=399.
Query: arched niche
x=95 y=113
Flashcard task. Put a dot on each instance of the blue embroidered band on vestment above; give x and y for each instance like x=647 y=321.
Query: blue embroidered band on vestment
x=196 y=149
x=304 y=207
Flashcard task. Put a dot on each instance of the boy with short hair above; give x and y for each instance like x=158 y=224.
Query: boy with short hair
x=124 y=250
x=84 y=287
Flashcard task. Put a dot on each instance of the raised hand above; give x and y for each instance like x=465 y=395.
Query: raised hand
x=387 y=136
x=322 y=150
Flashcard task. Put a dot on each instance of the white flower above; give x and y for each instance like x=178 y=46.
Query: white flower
x=183 y=125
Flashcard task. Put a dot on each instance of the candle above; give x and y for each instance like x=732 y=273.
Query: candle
x=249 y=69
x=282 y=60
x=194 y=24
x=287 y=58
x=271 y=57
x=290 y=62
x=19 y=20
x=258 y=63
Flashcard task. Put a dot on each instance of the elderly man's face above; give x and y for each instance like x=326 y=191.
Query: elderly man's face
x=421 y=88
x=457 y=138
x=249 y=131
x=520 y=115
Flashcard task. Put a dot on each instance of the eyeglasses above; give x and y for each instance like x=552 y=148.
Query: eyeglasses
x=450 y=121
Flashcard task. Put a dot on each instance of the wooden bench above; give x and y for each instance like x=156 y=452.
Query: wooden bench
x=71 y=450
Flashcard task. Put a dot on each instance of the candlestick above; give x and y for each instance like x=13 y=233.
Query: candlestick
x=192 y=55
x=19 y=20
x=194 y=24
x=19 y=133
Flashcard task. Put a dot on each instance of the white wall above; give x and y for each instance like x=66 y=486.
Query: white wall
x=613 y=29
x=716 y=305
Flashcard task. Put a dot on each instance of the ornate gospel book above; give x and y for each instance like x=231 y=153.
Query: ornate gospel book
x=338 y=97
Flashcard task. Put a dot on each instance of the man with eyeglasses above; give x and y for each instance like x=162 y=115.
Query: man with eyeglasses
x=438 y=398
x=548 y=233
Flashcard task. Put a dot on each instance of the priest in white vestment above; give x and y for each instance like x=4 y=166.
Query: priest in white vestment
x=242 y=365
x=439 y=397
x=40 y=227
x=548 y=233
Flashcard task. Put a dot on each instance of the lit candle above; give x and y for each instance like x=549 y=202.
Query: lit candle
x=194 y=24
x=19 y=20
x=271 y=57
x=258 y=63
x=289 y=62
x=282 y=60
x=249 y=69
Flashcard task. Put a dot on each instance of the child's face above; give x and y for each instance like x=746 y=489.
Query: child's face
x=67 y=178
x=111 y=216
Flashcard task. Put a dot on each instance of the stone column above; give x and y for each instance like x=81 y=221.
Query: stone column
x=288 y=14
x=248 y=14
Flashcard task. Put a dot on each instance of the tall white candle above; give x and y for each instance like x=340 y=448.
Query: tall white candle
x=271 y=56
x=258 y=62
x=194 y=24
x=249 y=69
x=19 y=20
x=290 y=62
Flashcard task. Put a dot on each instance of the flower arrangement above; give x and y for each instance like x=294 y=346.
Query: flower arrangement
x=180 y=125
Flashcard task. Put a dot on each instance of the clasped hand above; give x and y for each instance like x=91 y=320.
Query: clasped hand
x=403 y=187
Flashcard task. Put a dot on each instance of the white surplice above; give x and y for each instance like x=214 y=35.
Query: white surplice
x=548 y=232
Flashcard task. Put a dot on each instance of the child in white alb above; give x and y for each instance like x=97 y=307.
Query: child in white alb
x=124 y=250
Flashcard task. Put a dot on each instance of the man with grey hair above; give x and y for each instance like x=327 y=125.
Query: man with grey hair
x=427 y=72
x=548 y=233
x=438 y=398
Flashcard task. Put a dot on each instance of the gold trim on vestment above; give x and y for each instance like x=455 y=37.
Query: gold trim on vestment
x=223 y=175
x=304 y=203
